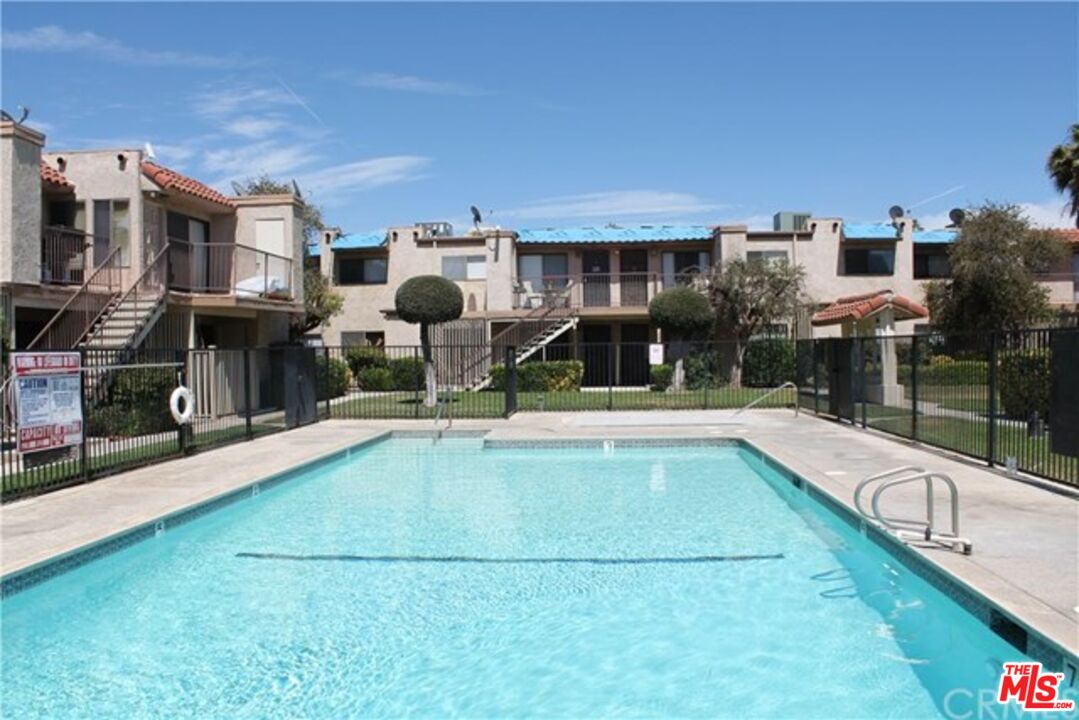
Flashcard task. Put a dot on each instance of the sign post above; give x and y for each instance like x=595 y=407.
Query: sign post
x=48 y=400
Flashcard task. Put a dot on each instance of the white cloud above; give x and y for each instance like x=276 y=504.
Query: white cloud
x=266 y=157
x=614 y=205
x=55 y=39
x=363 y=175
x=411 y=83
x=224 y=101
x=1050 y=213
x=253 y=127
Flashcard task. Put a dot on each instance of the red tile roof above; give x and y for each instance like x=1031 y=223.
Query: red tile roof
x=857 y=307
x=1069 y=234
x=54 y=177
x=172 y=180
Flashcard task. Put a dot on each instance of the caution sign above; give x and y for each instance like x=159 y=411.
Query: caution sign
x=48 y=400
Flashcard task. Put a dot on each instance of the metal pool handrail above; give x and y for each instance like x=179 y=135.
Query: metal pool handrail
x=768 y=394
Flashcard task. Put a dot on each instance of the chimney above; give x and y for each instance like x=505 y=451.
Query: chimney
x=20 y=203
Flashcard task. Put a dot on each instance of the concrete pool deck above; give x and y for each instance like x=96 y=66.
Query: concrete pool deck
x=1026 y=536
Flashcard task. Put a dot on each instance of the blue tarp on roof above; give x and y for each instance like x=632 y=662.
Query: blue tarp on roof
x=359 y=242
x=314 y=249
x=615 y=234
x=935 y=237
x=869 y=231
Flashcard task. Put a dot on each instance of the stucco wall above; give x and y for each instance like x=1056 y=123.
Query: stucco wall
x=273 y=207
x=20 y=204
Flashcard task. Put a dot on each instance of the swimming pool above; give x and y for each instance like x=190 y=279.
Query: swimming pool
x=453 y=579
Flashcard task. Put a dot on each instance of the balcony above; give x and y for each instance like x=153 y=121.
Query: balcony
x=65 y=259
x=229 y=269
x=594 y=290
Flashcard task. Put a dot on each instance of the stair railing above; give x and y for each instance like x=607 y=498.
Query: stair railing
x=81 y=311
x=150 y=284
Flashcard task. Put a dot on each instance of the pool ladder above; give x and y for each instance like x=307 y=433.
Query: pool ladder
x=909 y=528
x=444 y=403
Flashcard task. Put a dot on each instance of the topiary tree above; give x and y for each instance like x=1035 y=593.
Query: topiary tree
x=682 y=313
x=427 y=300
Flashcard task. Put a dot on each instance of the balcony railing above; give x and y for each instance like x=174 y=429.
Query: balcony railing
x=66 y=256
x=599 y=290
x=228 y=269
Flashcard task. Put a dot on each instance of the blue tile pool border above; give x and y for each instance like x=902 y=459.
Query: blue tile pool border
x=1049 y=653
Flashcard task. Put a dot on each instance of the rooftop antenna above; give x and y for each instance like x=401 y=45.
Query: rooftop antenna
x=149 y=150
x=956 y=215
x=296 y=189
x=477 y=218
x=895 y=212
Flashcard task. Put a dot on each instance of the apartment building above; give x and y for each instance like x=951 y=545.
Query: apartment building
x=109 y=248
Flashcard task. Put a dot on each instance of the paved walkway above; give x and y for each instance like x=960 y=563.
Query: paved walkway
x=1026 y=537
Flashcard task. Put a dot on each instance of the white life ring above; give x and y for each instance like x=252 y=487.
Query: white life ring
x=181 y=393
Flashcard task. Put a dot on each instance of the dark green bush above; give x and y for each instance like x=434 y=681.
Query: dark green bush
x=1024 y=383
x=703 y=370
x=362 y=357
x=955 y=372
x=136 y=403
x=333 y=377
x=662 y=375
x=681 y=310
x=375 y=379
x=407 y=373
x=550 y=376
x=768 y=363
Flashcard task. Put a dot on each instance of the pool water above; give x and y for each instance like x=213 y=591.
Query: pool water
x=449 y=579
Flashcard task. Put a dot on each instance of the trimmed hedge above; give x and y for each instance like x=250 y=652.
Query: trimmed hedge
x=333 y=376
x=137 y=404
x=1024 y=383
x=429 y=299
x=362 y=357
x=947 y=372
x=375 y=379
x=407 y=373
x=769 y=363
x=550 y=376
x=662 y=376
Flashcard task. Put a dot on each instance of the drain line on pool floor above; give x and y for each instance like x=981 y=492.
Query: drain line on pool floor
x=692 y=560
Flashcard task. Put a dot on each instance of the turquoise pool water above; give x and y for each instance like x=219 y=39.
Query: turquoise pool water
x=414 y=579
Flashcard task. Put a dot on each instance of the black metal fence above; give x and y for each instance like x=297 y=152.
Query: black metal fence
x=997 y=398
x=991 y=397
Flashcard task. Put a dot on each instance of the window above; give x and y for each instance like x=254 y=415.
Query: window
x=112 y=229
x=767 y=256
x=869 y=261
x=931 y=265
x=68 y=214
x=543 y=269
x=363 y=337
x=464 y=267
x=679 y=265
x=361 y=270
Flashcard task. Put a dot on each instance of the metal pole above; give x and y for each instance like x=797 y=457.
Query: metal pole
x=610 y=376
x=510 y=406
x=816 y=376
x=182 y=372
x=991 y=427
x=914 y=388
x=326 y=379
x=84 y=451
x=418 y=377
x=247 y=391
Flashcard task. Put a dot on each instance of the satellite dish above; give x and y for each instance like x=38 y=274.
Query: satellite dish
x=149 y=150
x=895 y=212
x=296 y=189
x=477 y=218
x=956 y=215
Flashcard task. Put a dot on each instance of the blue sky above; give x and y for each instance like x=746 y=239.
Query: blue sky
x=556 y=115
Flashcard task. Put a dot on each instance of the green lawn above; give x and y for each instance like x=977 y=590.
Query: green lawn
x=492 y=403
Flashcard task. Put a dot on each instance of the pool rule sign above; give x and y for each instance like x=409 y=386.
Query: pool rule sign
x=48 y=407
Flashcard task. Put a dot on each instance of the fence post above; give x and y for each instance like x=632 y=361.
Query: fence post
x=247 y=392
x=816 y=376
x=419 y=377
x=511 y=381
x=181 y=372
x=325 y=379
x=84 y=449
x=914 y=388
x=610 y=376
x=991 y=426
x=861 y=377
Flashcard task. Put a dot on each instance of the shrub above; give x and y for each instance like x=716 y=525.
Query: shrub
x=947 y=372
x=703 y=370
x=136 y=403
x=768 y=363
x=1024 y=383
x=681 y=310
x=407 y=373
x=662 y=375
x=428 y=299
x=375 y=379
x=362 y=357
x=550 y=376
x=333 y=377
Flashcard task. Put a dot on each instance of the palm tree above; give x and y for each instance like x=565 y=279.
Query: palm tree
x=1063 y=167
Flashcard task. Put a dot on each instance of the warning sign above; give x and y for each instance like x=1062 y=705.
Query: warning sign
x=48 y=400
